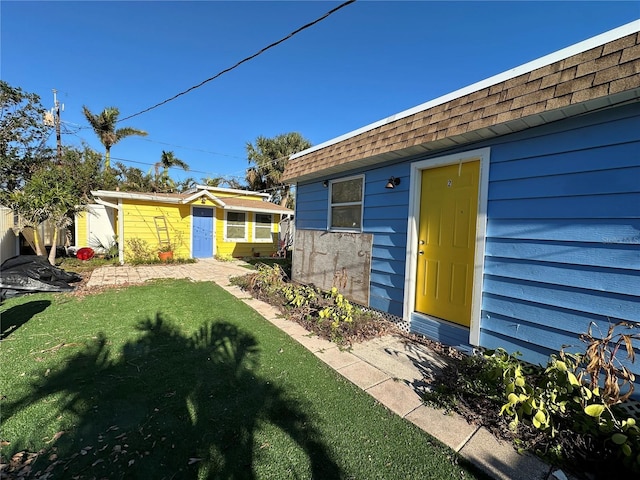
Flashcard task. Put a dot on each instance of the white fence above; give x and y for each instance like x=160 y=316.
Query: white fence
x=9 y=246
x=10 y=241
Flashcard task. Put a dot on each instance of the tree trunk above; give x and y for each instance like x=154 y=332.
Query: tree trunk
x=285 y=196
x=54 y=242
x=38 y=243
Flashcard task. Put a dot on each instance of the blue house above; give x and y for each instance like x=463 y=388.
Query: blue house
x=505 y=214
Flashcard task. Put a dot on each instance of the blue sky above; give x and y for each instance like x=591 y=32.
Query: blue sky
x=369 y=60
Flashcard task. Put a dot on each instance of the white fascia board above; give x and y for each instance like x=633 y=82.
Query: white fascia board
x=606 y=37
x=230 y=190
x=233 y=208
x=99 y=201
x=204 y=193
x=135 y=196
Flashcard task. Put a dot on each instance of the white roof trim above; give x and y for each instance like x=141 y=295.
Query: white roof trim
x=99 y=201
x=261 y=208
x=606 y=37
x=227 y=190
x=135 y=196
x=204 y=193
x=233 y=208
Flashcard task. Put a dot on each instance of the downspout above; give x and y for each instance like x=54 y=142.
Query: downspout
x=120 y=220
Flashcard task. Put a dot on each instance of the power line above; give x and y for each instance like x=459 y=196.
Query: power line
x=193 y=148
x=246 y=59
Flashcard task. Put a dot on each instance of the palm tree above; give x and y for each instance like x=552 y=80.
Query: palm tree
x=270 y=157
x=167 y=161
x=104 y=125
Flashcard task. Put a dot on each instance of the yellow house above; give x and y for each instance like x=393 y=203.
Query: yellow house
x=200 y=223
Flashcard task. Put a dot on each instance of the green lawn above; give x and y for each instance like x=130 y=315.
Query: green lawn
x=177 y=379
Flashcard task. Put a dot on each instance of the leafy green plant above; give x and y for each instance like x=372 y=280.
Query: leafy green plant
x=138 y=251
x=299 y=295
x=224 y=257
x=340 y=311
x=577 y=392
x=109 y=249
x=329 y=314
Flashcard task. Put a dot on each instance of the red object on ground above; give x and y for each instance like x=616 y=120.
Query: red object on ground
x=85 y=253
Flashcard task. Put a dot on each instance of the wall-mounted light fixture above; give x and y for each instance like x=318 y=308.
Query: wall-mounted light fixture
x=325 y=183
x=203 y=200
x=392 y=183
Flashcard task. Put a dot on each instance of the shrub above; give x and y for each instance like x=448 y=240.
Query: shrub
x=328 y=314
x=138 y=251
x=569 y=411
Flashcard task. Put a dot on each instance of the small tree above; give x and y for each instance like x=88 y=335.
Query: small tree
x=23 y=134
x=50 y=194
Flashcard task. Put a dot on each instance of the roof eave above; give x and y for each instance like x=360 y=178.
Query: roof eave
x=234 y=208
x=609 y=36
x=134 y=196
x=474 y=136
x=203 y=194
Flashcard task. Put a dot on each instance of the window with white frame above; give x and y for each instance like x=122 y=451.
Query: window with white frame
x=236 y=227
x=345 y=203
x=262 y=227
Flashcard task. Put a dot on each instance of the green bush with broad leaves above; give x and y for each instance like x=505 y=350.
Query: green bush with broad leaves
x=579 y=392
x=328 y=313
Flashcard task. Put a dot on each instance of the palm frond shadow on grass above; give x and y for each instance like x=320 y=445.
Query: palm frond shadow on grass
x=172 y=406
x=15 y=317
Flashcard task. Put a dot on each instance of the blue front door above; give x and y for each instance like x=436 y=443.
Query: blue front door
x=202 y=232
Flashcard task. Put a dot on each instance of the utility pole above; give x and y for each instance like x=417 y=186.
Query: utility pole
x=57 y=123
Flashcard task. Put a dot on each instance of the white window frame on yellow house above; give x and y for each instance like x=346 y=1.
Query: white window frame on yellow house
x=262 y=226
x=226 y=227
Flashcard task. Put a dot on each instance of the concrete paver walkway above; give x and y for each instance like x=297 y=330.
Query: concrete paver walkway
x=390 y=369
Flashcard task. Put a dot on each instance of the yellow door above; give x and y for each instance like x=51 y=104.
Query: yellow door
x=446 y=241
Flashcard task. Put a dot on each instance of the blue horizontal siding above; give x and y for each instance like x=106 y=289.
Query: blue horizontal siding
x=311 y=206
x=306 y=222
x=440 y=331
x=534 y=354
x=545 y=315
x=539 y=355
x=618 y=156
x=380 y=225
x=598 y=182
x=539 y=336
x=387 y=266
x=605 y=231
x=569 y=252
x=384 y=213
x=563 y=234
x=387 y=279
x=622 y=205
x=604 y=128
x=383 y=291
x=388 y=253
x=613 y=280
x=604 y=304
x=383 y=199
x=386 y=305
x=390 y=240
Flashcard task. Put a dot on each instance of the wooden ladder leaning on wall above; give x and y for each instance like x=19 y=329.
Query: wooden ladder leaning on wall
x=162 y=231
